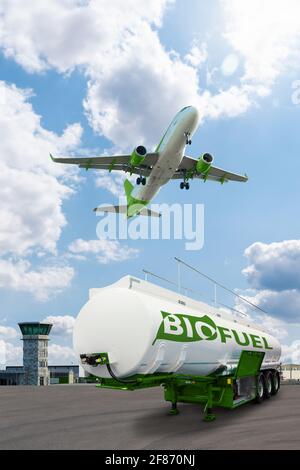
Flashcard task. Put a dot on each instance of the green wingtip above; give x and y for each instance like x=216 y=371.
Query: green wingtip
x=51 y=156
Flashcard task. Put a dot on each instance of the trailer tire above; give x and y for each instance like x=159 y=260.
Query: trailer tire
x=260 y=388
x=268 y=384
x=275 y=382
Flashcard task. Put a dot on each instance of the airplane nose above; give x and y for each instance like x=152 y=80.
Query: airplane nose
x=194 y=113
x=193 y=116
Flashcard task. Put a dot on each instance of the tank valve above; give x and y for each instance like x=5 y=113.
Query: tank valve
x=95 y=359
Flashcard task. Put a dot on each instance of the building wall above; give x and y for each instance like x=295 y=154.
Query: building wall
x=290 y=371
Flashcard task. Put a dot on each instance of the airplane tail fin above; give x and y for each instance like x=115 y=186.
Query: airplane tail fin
x=128 y=187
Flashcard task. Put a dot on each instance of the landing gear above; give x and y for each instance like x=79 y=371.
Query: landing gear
x=184 y=184
x=140 y=180
x=187 y=138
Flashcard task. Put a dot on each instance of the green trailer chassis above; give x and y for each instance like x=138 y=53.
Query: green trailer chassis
x=221 y=389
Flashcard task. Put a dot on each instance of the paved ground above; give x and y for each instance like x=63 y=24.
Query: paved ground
x=83 y=417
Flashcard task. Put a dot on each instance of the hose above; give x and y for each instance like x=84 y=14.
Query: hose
x=122 y=381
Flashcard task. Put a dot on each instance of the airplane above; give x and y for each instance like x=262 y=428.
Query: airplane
x=154 y=169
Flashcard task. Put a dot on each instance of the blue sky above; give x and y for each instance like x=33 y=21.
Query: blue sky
x=91 y=90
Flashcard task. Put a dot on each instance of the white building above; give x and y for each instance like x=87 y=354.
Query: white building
x=290 y=371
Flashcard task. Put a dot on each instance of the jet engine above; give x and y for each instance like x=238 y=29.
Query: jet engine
x=204 y=163
x=138 y=155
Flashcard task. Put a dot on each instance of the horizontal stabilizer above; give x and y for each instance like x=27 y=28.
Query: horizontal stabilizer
x=149 y=212
x=123 y=210
x=115 y=209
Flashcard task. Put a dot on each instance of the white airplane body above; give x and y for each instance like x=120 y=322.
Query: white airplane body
x=157 y=168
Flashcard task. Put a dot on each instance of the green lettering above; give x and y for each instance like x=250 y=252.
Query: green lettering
x=256 y=341
x=239 y=341
x=224 y=333
x=266 y=343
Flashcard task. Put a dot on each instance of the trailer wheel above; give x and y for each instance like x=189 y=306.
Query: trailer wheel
x=275 y=382
x=260 y=388
x=268 y=384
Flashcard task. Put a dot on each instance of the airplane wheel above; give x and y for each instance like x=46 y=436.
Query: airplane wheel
x=143 y=181
x=182 y=185
x=138 y=181
x=189 y=142
x=187 y=185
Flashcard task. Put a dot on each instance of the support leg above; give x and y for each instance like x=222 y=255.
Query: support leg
x=208 y=414
x=174 y=410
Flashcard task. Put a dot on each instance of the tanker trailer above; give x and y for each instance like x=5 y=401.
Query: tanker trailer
x=134 y=334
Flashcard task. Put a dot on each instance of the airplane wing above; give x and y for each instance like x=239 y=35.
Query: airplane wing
x=214 y=173
x=112 y=163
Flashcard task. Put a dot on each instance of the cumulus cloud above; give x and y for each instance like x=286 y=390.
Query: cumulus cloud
x=105 y=251
x=274 y=326
x=271 y=27
x=7 y=332
x=126 y=64
x=59 y=355
x=10 y=354
x=62 y=324
x=42 y=282
x=67 y=33
x=291 y=353
x=32 y=188
x=274 y=266
x=32 y=191
x=273 y=274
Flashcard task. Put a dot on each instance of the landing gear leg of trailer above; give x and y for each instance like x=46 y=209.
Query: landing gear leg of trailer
x=174 y=410
x=208 y=414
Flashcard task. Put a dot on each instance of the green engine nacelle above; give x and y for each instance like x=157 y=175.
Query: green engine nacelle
x=204 y=163
x=138 y=155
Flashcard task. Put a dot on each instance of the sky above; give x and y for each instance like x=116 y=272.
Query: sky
x=80 y=77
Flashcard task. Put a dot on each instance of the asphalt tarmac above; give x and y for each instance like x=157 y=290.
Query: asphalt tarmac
x=84 y=417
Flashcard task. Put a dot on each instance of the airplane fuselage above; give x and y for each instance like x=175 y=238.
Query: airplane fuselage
x=171 y=151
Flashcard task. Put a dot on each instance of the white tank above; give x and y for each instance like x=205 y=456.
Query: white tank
x=146 y=329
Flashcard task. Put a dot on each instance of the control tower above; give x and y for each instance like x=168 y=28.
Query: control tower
x=35 y=352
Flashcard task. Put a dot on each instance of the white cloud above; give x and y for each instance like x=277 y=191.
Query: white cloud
x=128 y=69
x=59 y=355
x=41 y=282
x=274 y=266
x=62 y=324
x=230 y=64
x=32 y=188
x=67 y=33
x=291 y=353
x=266 y=33
x=113 y=184
x=274 y=326
x=197 y=54
x=10 y=354
x=7 y=332
x=32 y=191
x=274 y=277
x=105 y=251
